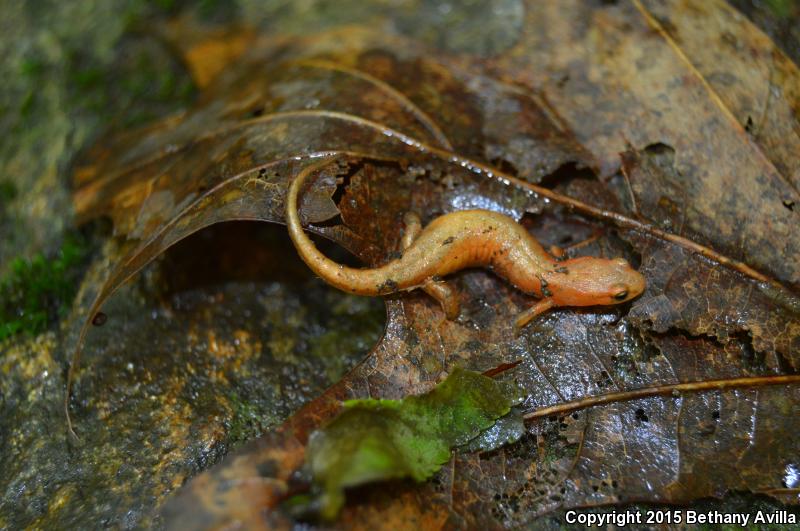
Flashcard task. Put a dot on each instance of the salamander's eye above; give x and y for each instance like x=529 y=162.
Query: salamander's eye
x=621 y=295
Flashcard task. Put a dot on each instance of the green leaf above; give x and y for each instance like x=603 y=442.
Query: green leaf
x=507 y=430
x=375 y=440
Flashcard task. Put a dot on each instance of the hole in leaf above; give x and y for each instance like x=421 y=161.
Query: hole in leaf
x=342 y=186
x=565 y=174
x=505 y=166
x=661 y=154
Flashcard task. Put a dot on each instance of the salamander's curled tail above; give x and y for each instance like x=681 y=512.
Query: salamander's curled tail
x=356 y=281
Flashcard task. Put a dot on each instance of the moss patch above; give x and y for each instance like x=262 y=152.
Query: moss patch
x=7 y=192
x=143 y=82
x=35 y=292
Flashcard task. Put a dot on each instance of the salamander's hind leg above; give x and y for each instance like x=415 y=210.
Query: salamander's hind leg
x=534 y=311
x=438 y=289
x=446 y=295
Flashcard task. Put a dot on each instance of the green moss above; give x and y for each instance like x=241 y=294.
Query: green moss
x=32 y=68
x=146 y=84
x=28 y=104
x=138 y=14
x=8 y=191
x=247 y=421
x=219 y=10
x=781 y=8
x=35 y=292
x=164 y=5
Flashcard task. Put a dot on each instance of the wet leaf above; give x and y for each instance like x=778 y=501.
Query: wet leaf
x=382 y=439
x=646 y=73
x=697 y=200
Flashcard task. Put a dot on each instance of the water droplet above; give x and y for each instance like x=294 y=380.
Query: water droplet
x=792 y=477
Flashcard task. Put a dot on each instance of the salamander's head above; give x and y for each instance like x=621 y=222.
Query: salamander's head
x=589 y=281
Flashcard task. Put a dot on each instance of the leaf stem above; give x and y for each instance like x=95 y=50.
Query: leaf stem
x=409 y=105
x=668 y=389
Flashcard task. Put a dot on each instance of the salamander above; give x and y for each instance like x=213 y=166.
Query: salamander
x=473 y=238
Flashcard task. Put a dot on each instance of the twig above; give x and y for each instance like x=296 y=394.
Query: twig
x=669 y=389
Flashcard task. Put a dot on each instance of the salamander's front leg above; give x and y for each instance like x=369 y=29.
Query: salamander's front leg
x=532 y=312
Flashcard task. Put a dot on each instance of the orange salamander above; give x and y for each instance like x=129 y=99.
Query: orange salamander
x=473 y=238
